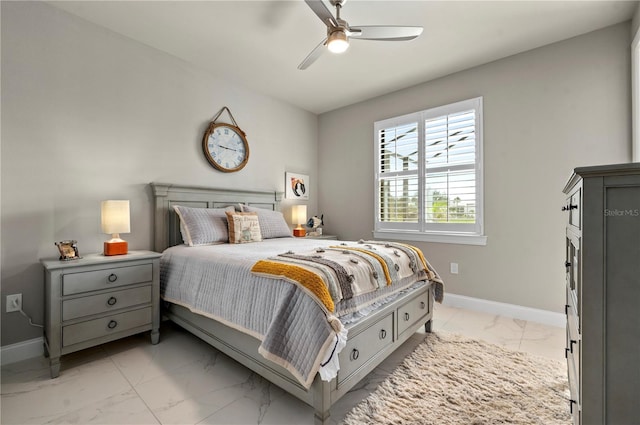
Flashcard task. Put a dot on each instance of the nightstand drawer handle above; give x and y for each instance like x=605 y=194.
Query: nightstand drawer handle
x=355 y=354
x=112 y=301
x=112 y=324
x=112 y=277
x=383 y=334
x=406 y=317
x=422 y=305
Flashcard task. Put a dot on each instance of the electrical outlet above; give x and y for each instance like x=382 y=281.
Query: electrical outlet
x=454 y=268
x=14 y=302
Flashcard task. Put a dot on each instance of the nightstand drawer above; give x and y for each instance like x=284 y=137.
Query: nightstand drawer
x=364 y=346
x=96 y=304
x=75 y=283
x=410 y=314
x=97 y=328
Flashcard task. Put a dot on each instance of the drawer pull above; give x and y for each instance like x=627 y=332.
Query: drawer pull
x=566 y=309
x=566 y=353
x=571 y=403
x=112 y=301
x=567 y=264
x=382 y=334
x=422 y=305
x=406 y=317
x=112 y=324
x=573 y=341
x=573 y=207
x=355 y=354
x=565 y=208
x=112 y=277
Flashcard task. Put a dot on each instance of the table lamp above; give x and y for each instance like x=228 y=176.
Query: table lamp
x=115 y=220
x=299 y=216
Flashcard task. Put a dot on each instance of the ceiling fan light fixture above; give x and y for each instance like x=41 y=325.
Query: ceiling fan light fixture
x=338 y=42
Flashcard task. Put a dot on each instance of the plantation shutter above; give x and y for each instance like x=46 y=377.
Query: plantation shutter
x=450 y=177
x=398 y=183
x=428 y=179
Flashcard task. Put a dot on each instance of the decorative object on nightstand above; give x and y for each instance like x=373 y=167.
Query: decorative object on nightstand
x=98 y=299
x=314 y=223
x=68 y=250
x=115 y=220
x=299 y=216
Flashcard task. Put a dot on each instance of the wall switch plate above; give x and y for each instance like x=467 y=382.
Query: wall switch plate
x=454 y=268
x=14 y=302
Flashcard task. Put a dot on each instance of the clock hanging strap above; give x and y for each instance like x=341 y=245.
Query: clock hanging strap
x=228 y=112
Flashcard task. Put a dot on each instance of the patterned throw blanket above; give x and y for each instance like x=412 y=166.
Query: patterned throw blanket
x=350 y=269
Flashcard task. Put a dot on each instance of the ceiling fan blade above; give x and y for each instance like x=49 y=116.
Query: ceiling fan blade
x=315 y=54
x=389 y=33
x=323 y=12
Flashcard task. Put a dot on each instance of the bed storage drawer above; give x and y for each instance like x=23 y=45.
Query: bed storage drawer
x=108 y=301
x=411 y=313
x=114 y=324
x=362 y=347
x=74 y=283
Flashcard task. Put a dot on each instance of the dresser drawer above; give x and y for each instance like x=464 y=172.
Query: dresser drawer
x=75 y=283
x=572 y=351
x=114 y=300
x=364 y=346
x=574 y=206
x=574 y=388
x=411 y=313
x=97 y=328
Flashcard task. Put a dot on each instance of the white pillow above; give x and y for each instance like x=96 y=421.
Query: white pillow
x=203 y=226
x=272 y=223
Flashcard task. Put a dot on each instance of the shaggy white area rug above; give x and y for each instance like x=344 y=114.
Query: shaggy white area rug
x=451 y=380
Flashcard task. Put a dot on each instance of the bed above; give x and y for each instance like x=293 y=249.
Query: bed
x=360 y=340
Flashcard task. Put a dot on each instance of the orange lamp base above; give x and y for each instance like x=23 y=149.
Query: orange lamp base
x=116 y=248
x=299 y=232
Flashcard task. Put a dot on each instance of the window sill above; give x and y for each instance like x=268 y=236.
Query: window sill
x=453 y=238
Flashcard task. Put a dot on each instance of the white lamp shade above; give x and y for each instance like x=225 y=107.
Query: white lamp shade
x=115 y=217
x=299 y=214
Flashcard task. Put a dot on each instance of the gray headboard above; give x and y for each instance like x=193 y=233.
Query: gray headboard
x=167 y=225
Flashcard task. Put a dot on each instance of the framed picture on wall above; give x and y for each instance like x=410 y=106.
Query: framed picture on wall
x=296 y=186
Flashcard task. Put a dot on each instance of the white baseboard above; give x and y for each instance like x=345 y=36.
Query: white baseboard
x=21 y=351
x=544 y=317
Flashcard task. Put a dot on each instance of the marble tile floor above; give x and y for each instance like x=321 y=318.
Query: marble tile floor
x=184 y=381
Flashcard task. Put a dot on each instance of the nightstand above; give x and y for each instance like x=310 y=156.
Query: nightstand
x=97 y=299
x=334 y=237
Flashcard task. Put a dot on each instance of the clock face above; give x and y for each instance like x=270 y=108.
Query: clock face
x=225 y=147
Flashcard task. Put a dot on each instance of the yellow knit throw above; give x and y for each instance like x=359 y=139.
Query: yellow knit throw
x=304 y=277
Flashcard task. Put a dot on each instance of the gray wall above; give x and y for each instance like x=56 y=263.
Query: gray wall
x=546 y=111
x=89 y=115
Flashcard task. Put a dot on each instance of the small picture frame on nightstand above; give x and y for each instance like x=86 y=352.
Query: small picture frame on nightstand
x=68 y=250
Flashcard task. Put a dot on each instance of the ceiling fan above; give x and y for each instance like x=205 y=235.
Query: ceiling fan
x=339 y=32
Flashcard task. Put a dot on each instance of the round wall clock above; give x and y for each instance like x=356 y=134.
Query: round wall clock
x=225 y=147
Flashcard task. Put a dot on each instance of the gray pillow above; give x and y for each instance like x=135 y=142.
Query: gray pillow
x=203 y=226
x=272 y=223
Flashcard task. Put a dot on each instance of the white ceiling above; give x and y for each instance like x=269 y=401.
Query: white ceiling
x=259 y=44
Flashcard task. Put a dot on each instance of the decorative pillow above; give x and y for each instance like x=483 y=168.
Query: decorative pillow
x=243 y=227
x=272 y=223
x=203 y=226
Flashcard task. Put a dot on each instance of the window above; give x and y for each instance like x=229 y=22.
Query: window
x=429 y=175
